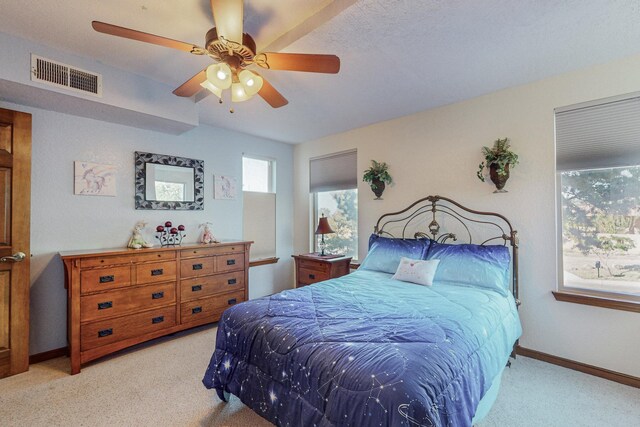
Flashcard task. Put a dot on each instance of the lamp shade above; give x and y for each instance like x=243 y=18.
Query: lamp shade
x=323 y=226
x=251 y=82
x=219 y=75
x=238 y=94
x=213 y=88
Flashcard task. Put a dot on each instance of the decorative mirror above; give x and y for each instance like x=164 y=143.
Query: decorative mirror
x=169 y=182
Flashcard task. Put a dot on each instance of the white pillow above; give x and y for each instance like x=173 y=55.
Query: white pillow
x=416 y=271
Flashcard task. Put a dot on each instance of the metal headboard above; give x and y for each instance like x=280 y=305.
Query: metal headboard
x=423 y=213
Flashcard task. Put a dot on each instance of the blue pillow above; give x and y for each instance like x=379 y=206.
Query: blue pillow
x=472 y=265
x=385 y=253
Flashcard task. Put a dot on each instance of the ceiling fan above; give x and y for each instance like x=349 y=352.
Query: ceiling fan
x=233 y=52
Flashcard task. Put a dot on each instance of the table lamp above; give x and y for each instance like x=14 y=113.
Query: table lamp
x=323 y=228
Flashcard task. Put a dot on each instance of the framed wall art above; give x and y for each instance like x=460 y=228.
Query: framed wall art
x=94 y=179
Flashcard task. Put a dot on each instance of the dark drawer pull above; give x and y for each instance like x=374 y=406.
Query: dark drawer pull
x=105 y=333
x=196 y=288
x=231 y=301
x=196 y=310
x=231 y=262
x=105 y=305
x=107 y=279
x=158 y=319
x=231 y=282
x=157 y=272
x=157 y=295
x=312 y=276
x=197 y=266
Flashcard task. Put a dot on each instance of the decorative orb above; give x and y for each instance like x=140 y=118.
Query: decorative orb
x=159 y=229
x=181 y=227
x=174 y=230
x=168 y=224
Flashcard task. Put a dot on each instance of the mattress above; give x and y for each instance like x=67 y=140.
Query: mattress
x=365 y=350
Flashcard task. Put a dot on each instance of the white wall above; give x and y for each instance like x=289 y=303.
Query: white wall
x=438 y=151
x=62 y=221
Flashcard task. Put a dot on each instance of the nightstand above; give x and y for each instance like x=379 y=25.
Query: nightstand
x=312 y=268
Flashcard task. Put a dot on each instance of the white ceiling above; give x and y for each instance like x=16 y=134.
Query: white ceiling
x=398 y=56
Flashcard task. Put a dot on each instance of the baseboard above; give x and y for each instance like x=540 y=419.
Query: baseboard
x=582 y=367
x=46 y=355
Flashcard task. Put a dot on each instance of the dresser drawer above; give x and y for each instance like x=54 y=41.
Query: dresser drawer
x=196 y=267
x=194 y=311
x=105 y=260
x=210 y=285
x=101 y=279
x=108 y=331
x=229 y=262
x=314 y=265
x=119 y=302
x=155 y=272
x=211 y=250
x=307 y=276
x=155 y=256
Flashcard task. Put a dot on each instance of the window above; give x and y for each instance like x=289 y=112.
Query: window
x=259 y=206
x=169 y=191
x=600 y=226
x=598 y=170
x=333 y=183
x=257 y=175
x=341 y=209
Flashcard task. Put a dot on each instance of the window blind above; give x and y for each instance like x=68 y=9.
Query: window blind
x=599 y=134
x=259 y=223
x=334 y=172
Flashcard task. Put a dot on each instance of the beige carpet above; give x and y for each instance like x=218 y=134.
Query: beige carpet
x=160 y=385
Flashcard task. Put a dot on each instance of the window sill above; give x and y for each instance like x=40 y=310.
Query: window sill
x=265 y=261
x=597 y=301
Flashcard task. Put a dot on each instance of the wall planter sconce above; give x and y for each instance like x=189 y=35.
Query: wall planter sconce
x=498 y=160
x=377 y=176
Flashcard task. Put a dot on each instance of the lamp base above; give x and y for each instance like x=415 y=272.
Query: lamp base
x=327 y=256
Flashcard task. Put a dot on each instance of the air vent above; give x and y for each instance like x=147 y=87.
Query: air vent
x=62 y=75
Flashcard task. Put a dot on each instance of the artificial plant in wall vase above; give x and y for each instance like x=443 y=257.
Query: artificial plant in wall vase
x=377 y=176
x=498 y=160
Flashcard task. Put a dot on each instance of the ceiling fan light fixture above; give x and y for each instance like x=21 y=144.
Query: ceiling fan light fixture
x=250 y=81
x=219 y=75
x=213 y=88
x=238 y=94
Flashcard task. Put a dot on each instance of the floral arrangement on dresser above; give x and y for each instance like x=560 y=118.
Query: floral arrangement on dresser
x=170 y=235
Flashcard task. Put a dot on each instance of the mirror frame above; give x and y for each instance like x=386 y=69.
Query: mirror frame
x=143 y=158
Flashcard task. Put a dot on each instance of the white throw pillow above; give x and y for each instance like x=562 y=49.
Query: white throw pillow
x=416 y=271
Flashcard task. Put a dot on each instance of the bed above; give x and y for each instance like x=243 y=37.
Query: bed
x=367 y=349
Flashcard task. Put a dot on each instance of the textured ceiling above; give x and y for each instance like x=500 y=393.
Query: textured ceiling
x=398 y=56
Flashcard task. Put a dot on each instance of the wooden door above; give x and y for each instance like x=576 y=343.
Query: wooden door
x=15 y=209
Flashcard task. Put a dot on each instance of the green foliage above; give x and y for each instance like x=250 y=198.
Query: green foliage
x=344 y=221
x=379 y=171
x=500 y=155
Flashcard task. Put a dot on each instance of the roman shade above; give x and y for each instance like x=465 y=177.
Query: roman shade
x=599 y=134
x=333 y=172
x=259 y=223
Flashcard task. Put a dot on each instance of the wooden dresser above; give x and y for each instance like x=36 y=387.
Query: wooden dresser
x=313 y=268
x=120 y=297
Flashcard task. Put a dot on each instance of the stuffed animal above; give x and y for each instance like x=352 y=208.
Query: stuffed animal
x=207 y=235
x=137 y=241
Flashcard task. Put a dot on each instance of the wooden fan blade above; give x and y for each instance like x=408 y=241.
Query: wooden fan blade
x=299 y=62
x=128 y=33
x=271 y=95
x=192 y=86
x=228 y=15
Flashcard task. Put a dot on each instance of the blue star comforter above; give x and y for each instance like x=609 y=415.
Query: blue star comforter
x=365 y=350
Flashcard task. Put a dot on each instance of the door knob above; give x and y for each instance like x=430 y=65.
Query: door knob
x=17 y=257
